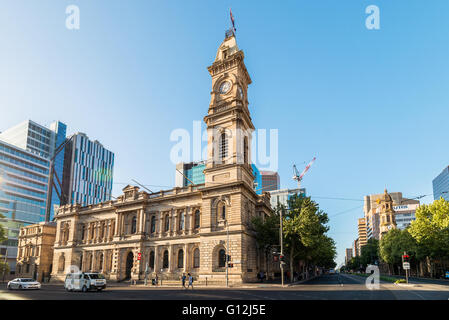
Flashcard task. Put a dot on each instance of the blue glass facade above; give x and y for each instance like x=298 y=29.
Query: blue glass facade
x=59 y=129
x=88 y=171
x=441 y=185
x=23 y=188
x=257 y=179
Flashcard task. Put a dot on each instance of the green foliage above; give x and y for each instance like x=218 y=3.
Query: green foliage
x=395 y=243
x=431 y=229
x=3 y=234
x=304 y=232
x=4 y=266
x=370 y=252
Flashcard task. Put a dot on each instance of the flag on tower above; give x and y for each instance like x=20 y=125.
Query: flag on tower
x=232 y=20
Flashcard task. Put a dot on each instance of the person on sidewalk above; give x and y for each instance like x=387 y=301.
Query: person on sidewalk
x=262 y=276
x=183 y=280
x=190 y=281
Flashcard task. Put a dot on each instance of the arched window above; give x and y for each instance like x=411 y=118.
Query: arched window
x=223 y=146
x=180 y=259
x=81 y=262
x=153 y=224
x=222 y=258
x=165 y=260
x=167 y=223
x=90 y=262
x=151 y=260
x=181 y=221
x=196 y=258
x=245 y=150
x=83 y=231
x=197 y=219
x=223 y=211
x=134 y=225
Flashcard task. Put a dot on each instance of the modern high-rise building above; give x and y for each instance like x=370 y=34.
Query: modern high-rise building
x=441 y=185
x=23 y=190
x=85 y=168
x=281 y=197
x=192 y=171
x=355 y=248
x=270 y=180
x=348 y=255
x=88 y=169
x=186 y=173
x=406 y=211
x=40 y=140
x=362 y=231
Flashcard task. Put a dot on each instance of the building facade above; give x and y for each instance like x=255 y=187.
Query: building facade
x=441 y=185
x=281 y=197
x=35 y=251
x=348 y=255
x=188 y=229
x=193 y=172
x=362 y=231
x=270 y=180
x=355 y=248
x=372 y=208
x=41 y=141
x=23 y=189
x=386 y=214
x=88 y=171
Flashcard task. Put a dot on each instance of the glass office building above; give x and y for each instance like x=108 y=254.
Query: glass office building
x=193 y=171
x=23 y=189
x=88 y=170
x=41 y=141
x=441 y=185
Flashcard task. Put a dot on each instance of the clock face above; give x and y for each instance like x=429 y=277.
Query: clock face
x=225 y=86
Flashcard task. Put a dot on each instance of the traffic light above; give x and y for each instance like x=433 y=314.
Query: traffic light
x=405 y=258
x=281 y=258
x=230 y=265
x=228 y=257
x=276 y=258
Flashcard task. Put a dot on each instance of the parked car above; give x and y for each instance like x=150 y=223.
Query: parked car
x=23 y=283
x=84 y=281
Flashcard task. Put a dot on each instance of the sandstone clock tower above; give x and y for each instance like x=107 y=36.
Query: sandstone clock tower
x=228 y=120
x=387 y=214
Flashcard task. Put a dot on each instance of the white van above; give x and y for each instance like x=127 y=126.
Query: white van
x=84 y=281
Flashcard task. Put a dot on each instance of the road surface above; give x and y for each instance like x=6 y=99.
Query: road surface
x=326 y=287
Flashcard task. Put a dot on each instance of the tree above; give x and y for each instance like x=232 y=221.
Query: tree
x=431 y=231
x=3 y=235
x=304 y=229
x=267 y=232
x=393 y=245
x=4 y=266
x=370 y=252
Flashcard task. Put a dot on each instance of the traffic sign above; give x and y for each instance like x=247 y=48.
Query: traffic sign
x=406 y=265
x=139 y=255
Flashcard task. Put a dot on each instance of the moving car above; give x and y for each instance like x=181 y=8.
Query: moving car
x=23 y=283
x=84 y=281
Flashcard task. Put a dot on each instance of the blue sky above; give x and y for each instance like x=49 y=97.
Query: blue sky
x=371 y=105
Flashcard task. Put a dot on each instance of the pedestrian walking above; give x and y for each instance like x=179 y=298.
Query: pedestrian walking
x=190 y=281
x=262 y=275
x=183 y=280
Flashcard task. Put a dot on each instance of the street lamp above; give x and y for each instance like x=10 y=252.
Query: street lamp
x=282 y=248
x=227 y=253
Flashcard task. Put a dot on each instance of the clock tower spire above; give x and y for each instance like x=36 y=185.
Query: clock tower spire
x=228 y=121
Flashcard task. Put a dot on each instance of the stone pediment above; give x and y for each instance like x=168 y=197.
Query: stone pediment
x=130 y=192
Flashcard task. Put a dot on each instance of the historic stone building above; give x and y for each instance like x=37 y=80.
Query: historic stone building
x=387 y=215
x=35 y=250
x=183 y=229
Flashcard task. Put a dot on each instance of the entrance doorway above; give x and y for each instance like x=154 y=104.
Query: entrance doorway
x=129 y=265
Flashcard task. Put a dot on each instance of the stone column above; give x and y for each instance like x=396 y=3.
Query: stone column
x=142 y=221
x=184 y=269
x=171 y=259
x=161 y=223
x=116 y=228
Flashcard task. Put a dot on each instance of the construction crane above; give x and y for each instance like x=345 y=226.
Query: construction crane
x=298 y=177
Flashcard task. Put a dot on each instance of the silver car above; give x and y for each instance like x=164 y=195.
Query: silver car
x=23 y=283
